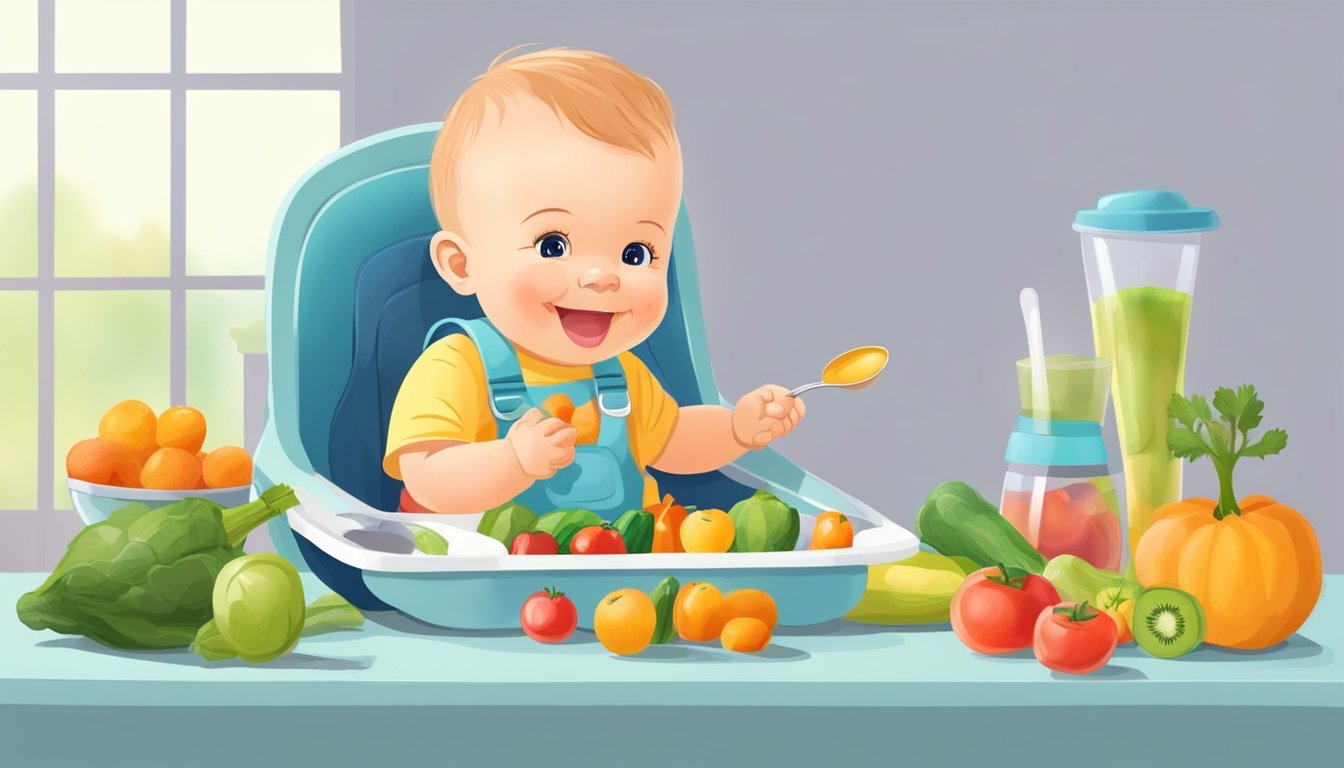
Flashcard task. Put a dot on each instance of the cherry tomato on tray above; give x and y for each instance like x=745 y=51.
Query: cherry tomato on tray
x=597 y=540
x=548 y=616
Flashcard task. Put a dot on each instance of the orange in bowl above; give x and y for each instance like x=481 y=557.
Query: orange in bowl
x=103 y=462
x=171 y=469
x=227 y=467
x=181 y=427
x=133 y=424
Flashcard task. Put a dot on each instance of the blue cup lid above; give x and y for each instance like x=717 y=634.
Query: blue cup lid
x=1146 y=210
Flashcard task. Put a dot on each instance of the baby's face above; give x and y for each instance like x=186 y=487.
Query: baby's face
x=565 y=239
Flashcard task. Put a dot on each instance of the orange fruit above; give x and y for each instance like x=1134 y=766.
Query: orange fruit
x=698 y=612
x=752 y=604
x=558 y=406
x=624 y=621
x=227 y=467
x=707 y=530
x=131 y=423
x=104 y=462
x=832 y=531
x=587 y=422
x=181 y=427
x=171 y=469
x=745 y=635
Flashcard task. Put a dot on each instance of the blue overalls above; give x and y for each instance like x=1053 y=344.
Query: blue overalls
x=604 y=477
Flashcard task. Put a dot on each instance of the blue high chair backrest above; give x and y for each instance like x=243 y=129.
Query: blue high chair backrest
x=364 y=292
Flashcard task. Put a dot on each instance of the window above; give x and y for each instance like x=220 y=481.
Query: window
x=145 y=146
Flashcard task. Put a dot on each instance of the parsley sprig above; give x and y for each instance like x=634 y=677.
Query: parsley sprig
x=1224 y=440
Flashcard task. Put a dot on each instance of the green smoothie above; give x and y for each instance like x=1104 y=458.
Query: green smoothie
x=1077 y=387
x=1143 y=330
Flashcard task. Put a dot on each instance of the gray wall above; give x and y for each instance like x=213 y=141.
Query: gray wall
x=894 y=172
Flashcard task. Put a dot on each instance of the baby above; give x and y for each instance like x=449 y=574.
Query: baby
x=556 y=180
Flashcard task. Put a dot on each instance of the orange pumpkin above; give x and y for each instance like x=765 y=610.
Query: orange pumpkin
x=1256 y=575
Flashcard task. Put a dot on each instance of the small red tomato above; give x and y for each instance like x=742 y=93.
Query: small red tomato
x=1077 y=639
x=597 y=540
x=534 y=543
x=994 y=610
x=549 y=616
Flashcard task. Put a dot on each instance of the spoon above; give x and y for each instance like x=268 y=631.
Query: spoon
x=1031 y=316
x=854 y=369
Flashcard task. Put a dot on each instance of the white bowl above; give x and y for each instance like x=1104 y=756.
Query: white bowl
x=95 y=502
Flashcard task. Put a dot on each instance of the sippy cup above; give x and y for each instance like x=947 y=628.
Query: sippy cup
x=1057 y=491
x=1140 y=250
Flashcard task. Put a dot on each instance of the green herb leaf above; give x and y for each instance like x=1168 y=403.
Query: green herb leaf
x=1251 y=409
x=1201 y=407
x=1182 y=411
x=1270 y=443
x=1227 y=403
x=1185 y=444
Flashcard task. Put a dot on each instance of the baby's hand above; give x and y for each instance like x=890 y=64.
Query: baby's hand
x=765 y=414
x=542 y=445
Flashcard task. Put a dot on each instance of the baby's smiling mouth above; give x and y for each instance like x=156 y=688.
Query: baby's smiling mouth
x=585 y=327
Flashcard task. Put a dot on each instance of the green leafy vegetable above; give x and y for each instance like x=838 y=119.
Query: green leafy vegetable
x=258 y=604
x=144 y=577
x=328 y=613
x=1195 y=433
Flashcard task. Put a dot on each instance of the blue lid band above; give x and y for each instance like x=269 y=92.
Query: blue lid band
x=1146 y=210
x=1056 y=444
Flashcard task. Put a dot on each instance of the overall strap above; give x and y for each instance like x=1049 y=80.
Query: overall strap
x=503 y=377
x=613 y=397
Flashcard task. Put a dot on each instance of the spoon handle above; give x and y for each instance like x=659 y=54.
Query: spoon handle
x=808 y=388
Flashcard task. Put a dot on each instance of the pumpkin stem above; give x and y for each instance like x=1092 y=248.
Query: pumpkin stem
x=1227 y=498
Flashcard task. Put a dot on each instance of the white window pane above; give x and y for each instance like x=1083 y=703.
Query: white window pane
x=110 y=346
x=214 y=366
x=18 y=401
x=18 y=183
x=18 y=35
x=112 y=183
x=263 y=36
x=113 y=36
x=245 y=150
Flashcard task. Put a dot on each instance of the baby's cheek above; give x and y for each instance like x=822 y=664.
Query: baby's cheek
x=540 y=282
x=647 y=298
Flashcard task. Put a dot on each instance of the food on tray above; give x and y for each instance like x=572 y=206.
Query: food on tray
x=917 y=590
x=428 y=540
x=1078 y=519
x=698 y=612
x=994 y=610
x=103 y=462
x=505 y=522
x=745 y=635
x=136 y=449
x=327 y=613
x=1168 y=623
x=668 y=516
x=625 y=621
x=144 y=577
x=564 y=524
x=664 y=597
x=707 y=530
x=763 y=523
x=548 y=616
x=636 y=529
x=1078 y=580
x=1118 y=603
x=832 y=531
x=597 y=540
x=1254 y=565
x=752 y=604
x=956 y=520
x=534 y=543
x=1074 y=637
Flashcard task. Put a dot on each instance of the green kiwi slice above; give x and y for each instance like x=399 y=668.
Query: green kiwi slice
x=1168 y=623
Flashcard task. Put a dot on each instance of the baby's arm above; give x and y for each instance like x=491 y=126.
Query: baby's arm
x=453 y=477
x=708 y=437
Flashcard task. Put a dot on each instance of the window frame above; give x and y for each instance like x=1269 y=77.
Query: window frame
x=177 y=82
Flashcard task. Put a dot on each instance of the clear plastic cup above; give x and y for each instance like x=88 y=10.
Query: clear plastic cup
x=1077 y=386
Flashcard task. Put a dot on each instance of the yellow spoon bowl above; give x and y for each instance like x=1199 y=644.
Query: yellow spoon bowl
x=854 y=369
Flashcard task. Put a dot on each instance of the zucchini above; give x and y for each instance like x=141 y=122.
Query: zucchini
x=958 y=521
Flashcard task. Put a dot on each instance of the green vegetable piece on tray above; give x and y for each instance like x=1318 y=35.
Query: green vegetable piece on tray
x=562 y=524
x=636 y=529
x=143 y=578
x=763 y=523
x=505 y=522
x=958 y=521
x=428 y=540
x=664 y=598
x=258 y=604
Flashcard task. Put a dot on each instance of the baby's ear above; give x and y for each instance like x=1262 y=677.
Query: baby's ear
x=446 y=251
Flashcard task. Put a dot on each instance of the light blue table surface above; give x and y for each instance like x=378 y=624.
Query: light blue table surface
x=395 y=661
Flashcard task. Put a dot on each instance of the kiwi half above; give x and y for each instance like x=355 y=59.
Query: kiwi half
x=1168 y=623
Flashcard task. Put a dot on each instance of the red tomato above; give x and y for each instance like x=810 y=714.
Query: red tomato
x=597 y=540
x=1077 y=639
x=549 y=616
x=534 y=543
x=995 y=609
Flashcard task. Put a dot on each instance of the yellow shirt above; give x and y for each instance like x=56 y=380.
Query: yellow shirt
x=445 y=397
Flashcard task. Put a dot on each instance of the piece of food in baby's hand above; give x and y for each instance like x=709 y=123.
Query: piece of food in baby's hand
x=559 y=406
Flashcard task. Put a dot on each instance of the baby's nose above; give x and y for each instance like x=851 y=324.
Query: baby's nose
x=599 y=279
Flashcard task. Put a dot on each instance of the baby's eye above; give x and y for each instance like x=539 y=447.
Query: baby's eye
x=636 y=255
x=552 y=245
